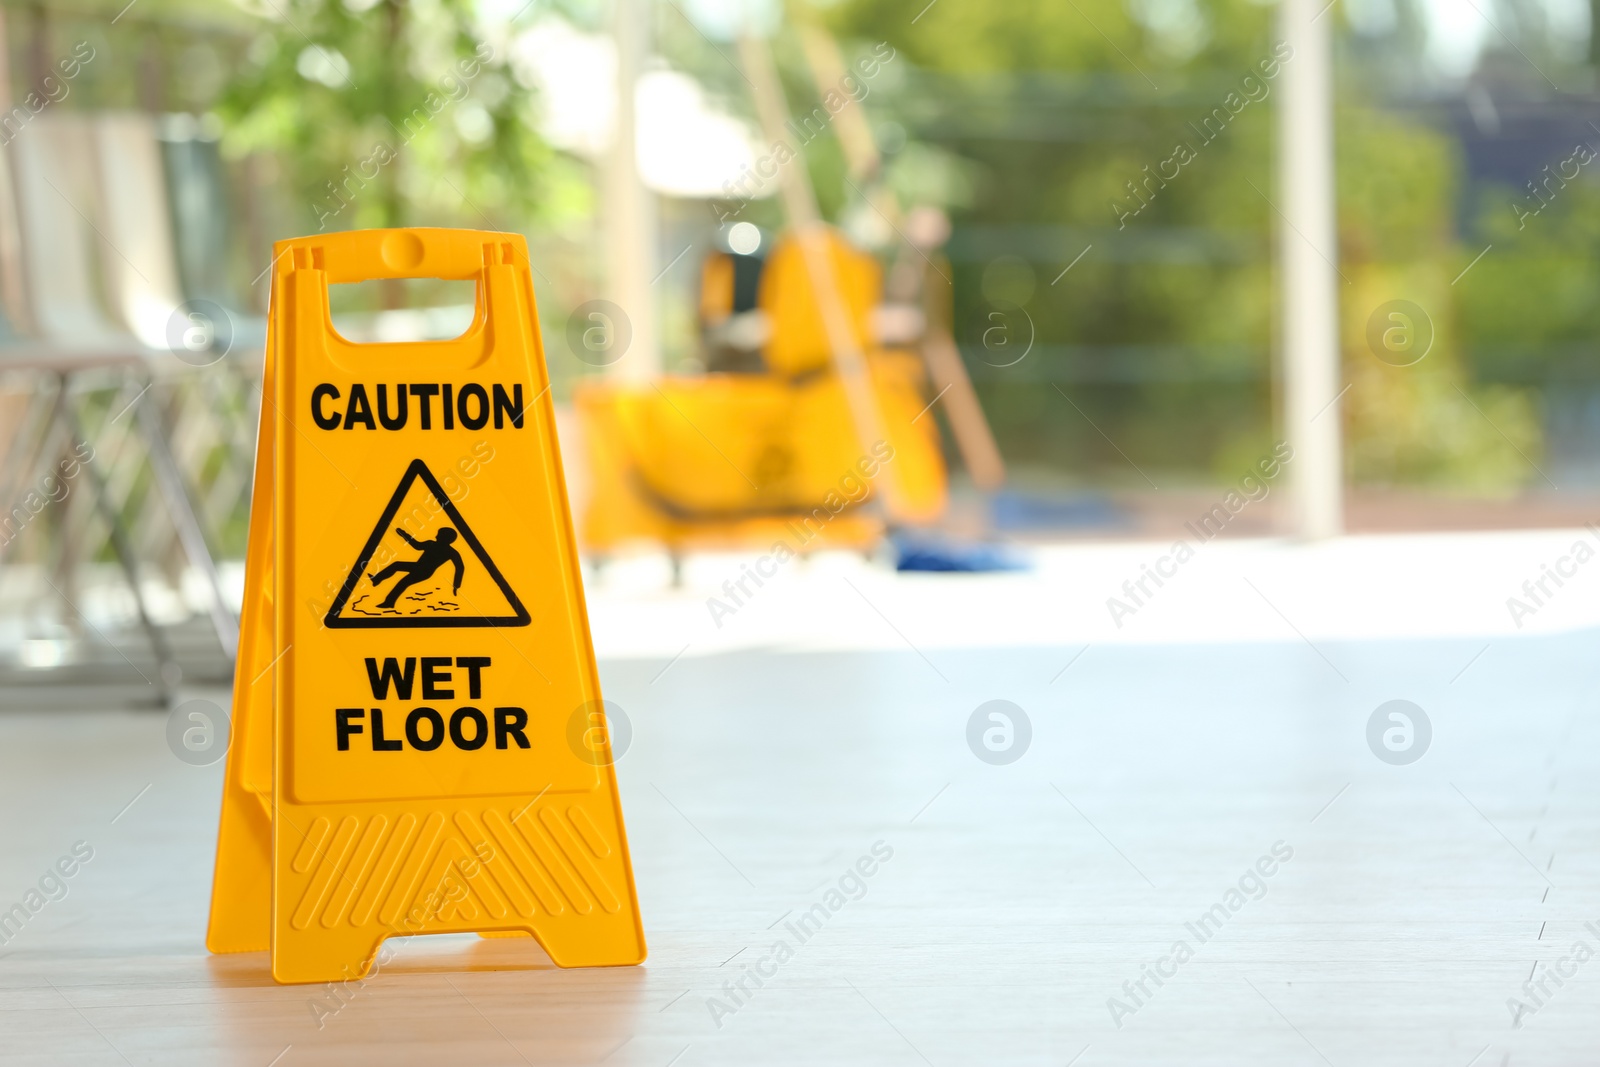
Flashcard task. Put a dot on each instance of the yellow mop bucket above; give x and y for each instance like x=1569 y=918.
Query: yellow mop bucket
x=688 y=456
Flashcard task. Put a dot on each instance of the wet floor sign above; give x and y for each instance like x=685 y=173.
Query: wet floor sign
x=415 y=642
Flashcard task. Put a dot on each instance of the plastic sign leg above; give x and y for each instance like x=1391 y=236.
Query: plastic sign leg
x=241 y=899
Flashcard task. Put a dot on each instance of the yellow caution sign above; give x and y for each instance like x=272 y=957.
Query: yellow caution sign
x=415 y=642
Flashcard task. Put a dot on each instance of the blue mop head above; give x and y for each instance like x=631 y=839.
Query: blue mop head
x=923 y=552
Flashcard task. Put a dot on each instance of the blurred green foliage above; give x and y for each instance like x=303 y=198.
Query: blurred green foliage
x=1533 y=303
x=388 y=113
x=1162 y=335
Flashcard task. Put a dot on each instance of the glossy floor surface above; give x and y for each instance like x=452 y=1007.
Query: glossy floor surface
x=1206 y=853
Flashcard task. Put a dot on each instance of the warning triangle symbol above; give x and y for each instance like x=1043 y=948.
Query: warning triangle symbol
x=423 y=566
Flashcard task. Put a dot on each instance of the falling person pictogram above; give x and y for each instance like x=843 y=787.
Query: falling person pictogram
x=478 y=596
x=434 y=555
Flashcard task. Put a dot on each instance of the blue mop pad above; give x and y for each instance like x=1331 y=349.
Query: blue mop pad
x=924 y=552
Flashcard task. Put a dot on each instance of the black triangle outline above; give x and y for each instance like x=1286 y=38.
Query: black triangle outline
x=419 y=469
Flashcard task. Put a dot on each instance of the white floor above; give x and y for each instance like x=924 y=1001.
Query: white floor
x=1356 y=588
x=829 y=713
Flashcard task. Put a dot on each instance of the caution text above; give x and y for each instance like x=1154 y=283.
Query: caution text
x=397 y=406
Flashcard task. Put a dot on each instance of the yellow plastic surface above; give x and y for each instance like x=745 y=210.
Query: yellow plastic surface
x=716 y=288
x=415 y=645
x=799 y=343
x=698 y=462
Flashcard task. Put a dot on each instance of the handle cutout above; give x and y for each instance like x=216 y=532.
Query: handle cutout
x=401 y=310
